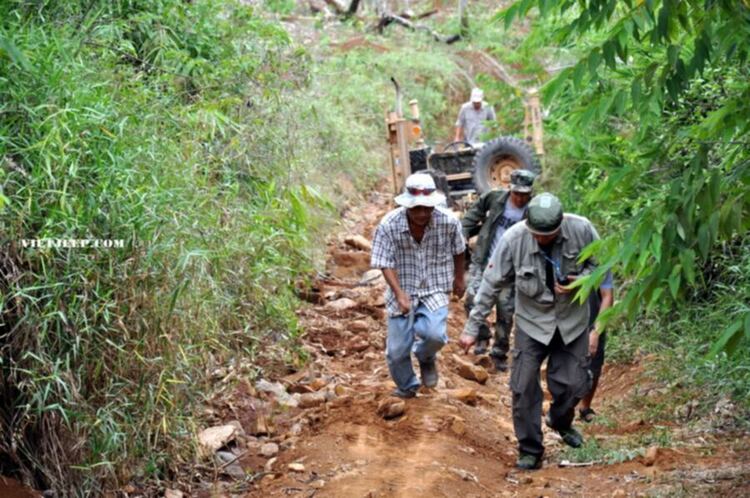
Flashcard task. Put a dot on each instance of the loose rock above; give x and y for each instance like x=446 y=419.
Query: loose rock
x=484 y=361
x=651 y=455
x=296 y=467
x=371 y=277
x=468 y=396
x=269 y=450
x=458 y=426
x=173 y=493
x=342 y=304
x=229 y=464
x=358 y=242
x=469 y=371
x=311 y=400
x=358 y=326
x=213 y=438
x=391 y=408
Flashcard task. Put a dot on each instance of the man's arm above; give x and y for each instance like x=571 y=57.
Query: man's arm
x=472 y=221
x=391 y=278
x=459 y=126
x=382 y=258
x=458 y=248
x=459 y=281
x=499 y=274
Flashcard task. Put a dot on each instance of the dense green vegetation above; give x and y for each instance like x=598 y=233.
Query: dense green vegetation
x=206 y=140
x=203 y=138
x=648 y=135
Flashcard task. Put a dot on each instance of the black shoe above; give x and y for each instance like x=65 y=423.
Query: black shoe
x=527 y=461
x=501 y=363
x=429 y=373
x=403 y=394
x=481 y=346
x=571 y=437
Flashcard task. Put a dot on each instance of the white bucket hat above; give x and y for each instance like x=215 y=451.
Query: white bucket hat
x=477 y=95
x=420 y=190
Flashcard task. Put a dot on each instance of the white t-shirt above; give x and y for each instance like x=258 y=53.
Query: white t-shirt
x=511 y=215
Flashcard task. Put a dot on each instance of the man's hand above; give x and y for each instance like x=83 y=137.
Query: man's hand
x=466 y=341
x=459 y=287
x=565 y=289
x=593 y=341
x=404 y=302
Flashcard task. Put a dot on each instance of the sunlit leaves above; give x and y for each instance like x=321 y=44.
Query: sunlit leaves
x=673 y=74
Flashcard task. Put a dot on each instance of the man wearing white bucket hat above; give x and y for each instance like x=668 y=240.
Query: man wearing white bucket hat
x=420 y=249
x=472 y=118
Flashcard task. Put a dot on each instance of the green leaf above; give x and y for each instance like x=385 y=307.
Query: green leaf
x=687 y=258
x=13 y=53
x=673 y=52
x=674 y=280
x=703 y=241
x=621 y=100
x=578 y=73
x=636 y=92
x=729 y=339
x=608 y=50
x=594 y=60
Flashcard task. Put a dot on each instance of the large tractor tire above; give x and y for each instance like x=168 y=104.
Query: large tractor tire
x=495 y=161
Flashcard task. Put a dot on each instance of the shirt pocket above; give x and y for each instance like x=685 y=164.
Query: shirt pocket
x=569 y=264
x=528 y=281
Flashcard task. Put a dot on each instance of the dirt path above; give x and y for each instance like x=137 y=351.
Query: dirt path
x=454 y=441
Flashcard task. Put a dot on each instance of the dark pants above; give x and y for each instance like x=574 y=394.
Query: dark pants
x=504 y=309
x=597 y=362
x=568 y=380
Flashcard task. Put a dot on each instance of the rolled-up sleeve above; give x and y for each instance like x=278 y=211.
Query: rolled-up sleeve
x=382 y=250
x=458 y=240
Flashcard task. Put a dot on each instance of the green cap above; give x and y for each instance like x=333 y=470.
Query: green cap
x=545 y=214
x=521 y=180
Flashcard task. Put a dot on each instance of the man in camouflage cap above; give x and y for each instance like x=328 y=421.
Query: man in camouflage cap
x=540 y=259
x=488 y=218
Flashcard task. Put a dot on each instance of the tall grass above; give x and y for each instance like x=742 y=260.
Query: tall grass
x=201 y=136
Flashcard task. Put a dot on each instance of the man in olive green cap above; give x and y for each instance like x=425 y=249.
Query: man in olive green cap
x=488 y=218
x=540 y=259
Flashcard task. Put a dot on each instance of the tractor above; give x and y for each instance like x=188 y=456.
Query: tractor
x=462 y=170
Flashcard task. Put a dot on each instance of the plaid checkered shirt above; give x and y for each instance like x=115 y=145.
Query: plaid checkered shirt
x=425 y=270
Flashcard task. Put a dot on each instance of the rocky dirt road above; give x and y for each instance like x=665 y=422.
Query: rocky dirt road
x=331 y=429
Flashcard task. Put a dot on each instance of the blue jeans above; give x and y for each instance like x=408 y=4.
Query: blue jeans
x=426 y=336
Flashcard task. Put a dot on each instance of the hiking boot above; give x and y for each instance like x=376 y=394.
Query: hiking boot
x=571 y=437
x=527 y=461
x=429 y=373
x=481 y=346
x=501 y=363
x=403 y=394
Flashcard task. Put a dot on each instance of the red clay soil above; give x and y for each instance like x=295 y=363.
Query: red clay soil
x=442 y=446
